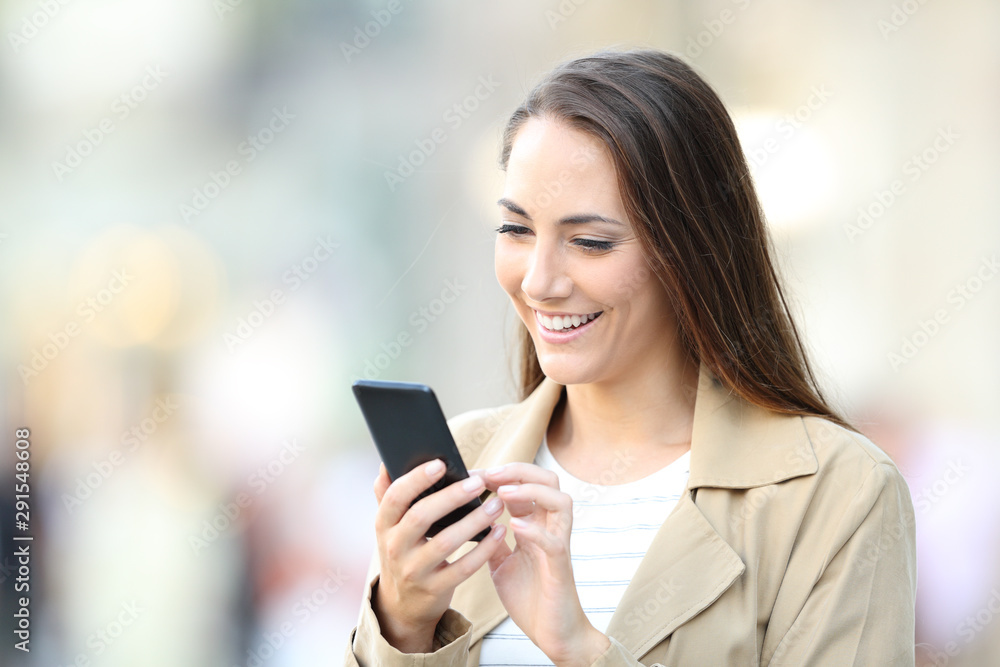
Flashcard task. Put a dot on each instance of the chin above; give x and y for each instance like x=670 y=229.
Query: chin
x=564 y=369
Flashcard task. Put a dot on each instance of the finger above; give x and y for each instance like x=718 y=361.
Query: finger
x=535 y=532
x=404 y=490
x=523 y=499
x=451 y=538
x=480 y=473
x=442 y=545
x=382 y=482
x=469 y=564
x=429 y=509
x=516 y=504
x=519 y=472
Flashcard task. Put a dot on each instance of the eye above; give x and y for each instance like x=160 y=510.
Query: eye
x=588 y=245
x=516 y=230
x=593 y=245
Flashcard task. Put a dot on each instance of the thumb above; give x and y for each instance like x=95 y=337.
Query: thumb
x=381 y=483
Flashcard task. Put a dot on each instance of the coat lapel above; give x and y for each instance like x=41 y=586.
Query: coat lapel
x=689 y=565
x=734 y=444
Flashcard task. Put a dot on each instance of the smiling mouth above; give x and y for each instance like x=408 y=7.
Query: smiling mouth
x=566 y=322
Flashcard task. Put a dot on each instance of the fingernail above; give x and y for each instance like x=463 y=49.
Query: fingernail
x=434 y=467
x=507 y=488
x=472 y=483
x=518 y=523
x=494 y=506
x=500 y=530
x=495 y=470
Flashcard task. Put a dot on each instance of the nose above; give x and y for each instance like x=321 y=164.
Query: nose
x=546 y=277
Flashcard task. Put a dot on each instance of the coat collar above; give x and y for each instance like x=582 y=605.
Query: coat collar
x=734 y=445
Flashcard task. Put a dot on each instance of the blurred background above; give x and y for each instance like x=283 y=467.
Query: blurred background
x=215 y=215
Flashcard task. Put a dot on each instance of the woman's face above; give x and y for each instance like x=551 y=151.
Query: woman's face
x=567 y=251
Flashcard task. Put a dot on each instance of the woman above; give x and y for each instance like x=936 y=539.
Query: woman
x=672 y=488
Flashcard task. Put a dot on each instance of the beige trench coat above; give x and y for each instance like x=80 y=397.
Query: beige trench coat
x=793 y=544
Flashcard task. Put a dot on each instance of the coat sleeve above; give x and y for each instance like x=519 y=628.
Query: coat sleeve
x=861 y=609
x=368 y=648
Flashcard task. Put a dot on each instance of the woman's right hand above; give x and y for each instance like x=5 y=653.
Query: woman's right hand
x=416 y=582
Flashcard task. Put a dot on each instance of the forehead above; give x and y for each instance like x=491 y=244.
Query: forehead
x=552 y=163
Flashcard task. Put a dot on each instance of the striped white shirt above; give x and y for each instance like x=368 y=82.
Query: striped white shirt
x=613 y=526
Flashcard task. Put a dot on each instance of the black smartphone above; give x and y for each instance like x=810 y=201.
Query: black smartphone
x=409 y=428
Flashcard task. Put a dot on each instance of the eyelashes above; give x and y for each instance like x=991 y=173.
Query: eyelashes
x=507 y=228
x=595 y=245
x=588 y=245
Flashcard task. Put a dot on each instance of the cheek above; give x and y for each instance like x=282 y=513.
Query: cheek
x=613 y=283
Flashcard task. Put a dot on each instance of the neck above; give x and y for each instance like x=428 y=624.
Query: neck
x=651 y=412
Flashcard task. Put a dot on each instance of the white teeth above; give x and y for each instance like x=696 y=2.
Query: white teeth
x=558 y=323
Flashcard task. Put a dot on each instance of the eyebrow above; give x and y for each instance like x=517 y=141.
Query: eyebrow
x=568 y=220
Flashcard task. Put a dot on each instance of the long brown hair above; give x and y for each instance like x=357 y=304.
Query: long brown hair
x=687 y=189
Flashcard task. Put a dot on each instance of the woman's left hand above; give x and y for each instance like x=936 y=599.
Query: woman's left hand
x=535 y=580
